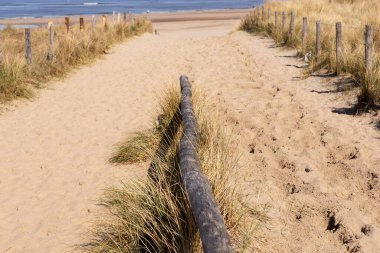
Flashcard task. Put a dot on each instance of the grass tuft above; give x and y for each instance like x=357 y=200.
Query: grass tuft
x=350 y=13
x=17 y=79
x=153 y=214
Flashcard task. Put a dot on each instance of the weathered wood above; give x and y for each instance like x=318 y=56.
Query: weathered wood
x=203 y=205
x=318 y=39
x=67 y=24
x=263 y=14
x=338 y=47
x=304 y=34
x=276 y=19
x=291 y=28
x=28 y=46
x=105 y=22
x=283 y=20
x=125 y=17
x=113 y=17
x=269 y=15
x=368 y=48
x=81 y=24
x=51 y=42
x=118 y=18
x=93 y=24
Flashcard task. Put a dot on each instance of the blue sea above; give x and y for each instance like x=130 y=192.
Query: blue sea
x=49 y=8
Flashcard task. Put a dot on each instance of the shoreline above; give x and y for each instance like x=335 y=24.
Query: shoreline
x=222 y=14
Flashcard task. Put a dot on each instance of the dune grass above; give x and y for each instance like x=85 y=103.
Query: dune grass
x=153 y=215
x=17 y=79
x=354 y=15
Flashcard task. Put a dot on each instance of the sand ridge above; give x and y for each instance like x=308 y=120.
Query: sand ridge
x=317 y=170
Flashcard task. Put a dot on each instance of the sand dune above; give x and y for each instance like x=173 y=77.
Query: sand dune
x=309 y=164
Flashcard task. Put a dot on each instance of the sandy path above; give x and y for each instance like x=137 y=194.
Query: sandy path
x=307 y=163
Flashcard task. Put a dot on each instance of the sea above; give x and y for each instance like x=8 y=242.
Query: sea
x=52 y=8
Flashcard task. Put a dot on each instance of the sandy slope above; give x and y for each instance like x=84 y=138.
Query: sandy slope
x=308 y=163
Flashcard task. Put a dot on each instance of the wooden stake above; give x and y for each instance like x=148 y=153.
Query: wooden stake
x=283 y=19
x=291 y=24
x=81 y=24
x=318 y=39
x=93 y=24
x=304 y=34
x=125 y=17
x=67 y=23
x=28 y=46
x=276 y=19
x=269 y=15
x=263 y=14
x=338 y=47
x=368 y=48
x=51 y=43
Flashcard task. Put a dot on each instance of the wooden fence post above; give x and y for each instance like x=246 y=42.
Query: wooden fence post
x=283 y=20
x=269 y=15
x=113 y=17
x=318 y=39
x=263 y=14
x=338 y=47
x=125 y=17
x=51 y=43
x=304 y=34
x=93 y=24
x=291 y=29
x=105 y=23
x=276 y=19
x=118 y=18
x=81 y=24
x=368 y=48
x=28 y=46
x=67 y=23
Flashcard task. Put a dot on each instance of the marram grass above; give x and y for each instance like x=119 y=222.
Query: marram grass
x=17 y=79
x=153 y=214
x=353 y=14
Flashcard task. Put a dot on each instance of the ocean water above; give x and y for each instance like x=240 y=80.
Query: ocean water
x=48 y=8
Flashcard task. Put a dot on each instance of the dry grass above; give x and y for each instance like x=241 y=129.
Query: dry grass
x=354 y=15
x=17 y=79
x=153 y=215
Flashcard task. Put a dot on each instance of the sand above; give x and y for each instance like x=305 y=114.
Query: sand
x=308 y=164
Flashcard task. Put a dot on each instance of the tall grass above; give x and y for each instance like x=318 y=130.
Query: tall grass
x=17 y=79
x=354 y=15
x=153 y=215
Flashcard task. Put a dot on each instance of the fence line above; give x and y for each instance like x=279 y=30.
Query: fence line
x=206 y=213
x=368 y=42
x=26 y=35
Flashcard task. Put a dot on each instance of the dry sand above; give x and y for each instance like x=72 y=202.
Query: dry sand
x=311 y=166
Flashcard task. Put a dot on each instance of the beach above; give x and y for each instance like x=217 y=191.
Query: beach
x=155 y=17
x=305 y=162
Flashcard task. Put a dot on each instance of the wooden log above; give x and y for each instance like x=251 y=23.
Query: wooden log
x=338 y=47
x=51 y=43
x=28 y=46
x=291 y=28
x=203 y=205
x=304 y=34
x=283 y=19
x=368 y=48
x=318 y=39
x=67 y=24
x=81 y=24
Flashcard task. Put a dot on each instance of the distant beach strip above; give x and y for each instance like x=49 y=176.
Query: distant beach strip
x=57 y=8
